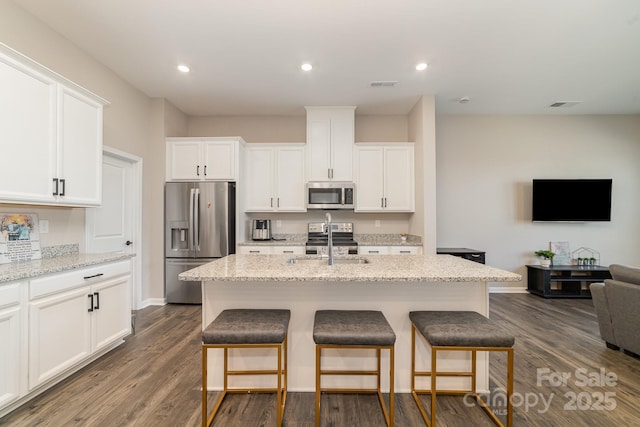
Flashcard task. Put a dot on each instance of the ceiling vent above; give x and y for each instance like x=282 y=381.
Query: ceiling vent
x=564 y=104
x=383 y=83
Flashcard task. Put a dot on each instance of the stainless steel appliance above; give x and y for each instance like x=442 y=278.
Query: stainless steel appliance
x=318 y=239
x=261 y=229
x=200 y=226
x=331 y=195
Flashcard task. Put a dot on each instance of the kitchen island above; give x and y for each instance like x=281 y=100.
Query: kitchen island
x=393 y=284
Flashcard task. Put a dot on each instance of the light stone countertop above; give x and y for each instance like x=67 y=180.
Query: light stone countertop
x=28 y=269
x=362 y=239
x=289 y=240
x=387 y=240
x=390 y=268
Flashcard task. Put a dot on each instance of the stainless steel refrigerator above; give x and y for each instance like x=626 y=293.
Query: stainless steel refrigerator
x=200 y=226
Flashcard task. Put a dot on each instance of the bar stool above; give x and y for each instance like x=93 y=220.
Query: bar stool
x=247 y=329
x=348 y=329
x=459 y=331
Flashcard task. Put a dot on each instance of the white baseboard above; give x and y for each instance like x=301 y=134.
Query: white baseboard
x=152 y=301
x=507 y=290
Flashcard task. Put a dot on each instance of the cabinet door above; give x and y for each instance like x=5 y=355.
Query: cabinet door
x=259 y=179
x=369 y=179
x=59 y=334
x=183 y=160
x=11 y=351
x=342 y=149
x=27 y=132
x=318 y=149
x=220 y=161
x=112 y=311
x=399 y=179
x=290 y=180
x=79 y=149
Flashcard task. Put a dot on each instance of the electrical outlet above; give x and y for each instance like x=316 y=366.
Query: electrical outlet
x=377 y=223
x=44 y=226
x=278 y=223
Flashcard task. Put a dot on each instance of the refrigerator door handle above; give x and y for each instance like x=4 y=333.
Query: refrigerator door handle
x=196 y=219
x=191 y=225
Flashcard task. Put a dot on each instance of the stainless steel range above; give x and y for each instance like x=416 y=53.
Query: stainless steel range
x=343 y=243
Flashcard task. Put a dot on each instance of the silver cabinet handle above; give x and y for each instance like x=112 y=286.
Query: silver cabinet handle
x=254 y=252
x=287 y=252
x=272 y=202
x=278 y=201
x=374 y=252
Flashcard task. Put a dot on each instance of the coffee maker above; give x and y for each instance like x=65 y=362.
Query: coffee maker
x=261 y=229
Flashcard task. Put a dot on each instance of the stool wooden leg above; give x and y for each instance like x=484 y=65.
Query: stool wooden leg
x=279 y=389
x=391 y=390
x=318 y=353
x=434 y=358
x=510 y=387
x=204 y=386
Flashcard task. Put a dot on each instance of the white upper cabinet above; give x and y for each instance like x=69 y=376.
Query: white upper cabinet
x=203 y=159
x=384 y=177
x=274 y=178
x=330 y=138
x=52 y=136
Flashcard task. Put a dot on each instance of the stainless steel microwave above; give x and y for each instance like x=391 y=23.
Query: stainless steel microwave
x=331 y=195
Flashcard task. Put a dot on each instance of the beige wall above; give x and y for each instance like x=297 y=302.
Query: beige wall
x=127 y=127
x=422 y=131
x=251 y=128
x=485 y=167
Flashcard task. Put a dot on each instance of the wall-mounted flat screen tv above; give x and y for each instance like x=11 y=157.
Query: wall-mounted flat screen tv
x=571 y=200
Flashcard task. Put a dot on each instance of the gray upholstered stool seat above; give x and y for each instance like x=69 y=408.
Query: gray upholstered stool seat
x=349 y=327
x=247 y=329
x=460 y=328
x=248 y=326
x=466 y=331
x=353 y=329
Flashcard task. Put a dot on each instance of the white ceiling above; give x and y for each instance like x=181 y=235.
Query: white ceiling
x=507 y=56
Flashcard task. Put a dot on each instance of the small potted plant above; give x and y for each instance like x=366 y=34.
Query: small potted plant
x=403 y=237
x=546 y=257
x=592 y=261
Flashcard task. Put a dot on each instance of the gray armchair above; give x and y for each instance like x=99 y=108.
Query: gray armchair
x=617 y=301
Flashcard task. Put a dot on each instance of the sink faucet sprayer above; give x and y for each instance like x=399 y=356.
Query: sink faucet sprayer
x=330 y=237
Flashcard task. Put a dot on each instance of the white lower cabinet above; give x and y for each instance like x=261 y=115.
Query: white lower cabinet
x=13 y=349
x=373 y=250
x=74 y=315
x=268 y=250
x=389 y=250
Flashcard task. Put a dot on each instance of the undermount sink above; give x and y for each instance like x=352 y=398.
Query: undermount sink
x=305 y=260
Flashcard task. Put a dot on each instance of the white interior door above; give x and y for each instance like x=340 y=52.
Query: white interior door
x=109 y=227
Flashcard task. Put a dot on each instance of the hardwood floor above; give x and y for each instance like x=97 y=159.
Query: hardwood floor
x=154 y=379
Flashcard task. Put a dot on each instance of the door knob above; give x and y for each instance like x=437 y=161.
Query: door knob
x=128 y=243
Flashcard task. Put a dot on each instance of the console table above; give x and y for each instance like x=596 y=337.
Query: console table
x=466 y=253
x=564 y=281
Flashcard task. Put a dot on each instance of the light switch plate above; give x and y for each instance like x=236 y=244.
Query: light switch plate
x=44 y=226
x=377 y=223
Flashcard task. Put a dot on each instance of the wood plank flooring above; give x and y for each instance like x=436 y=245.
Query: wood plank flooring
x=154 y=379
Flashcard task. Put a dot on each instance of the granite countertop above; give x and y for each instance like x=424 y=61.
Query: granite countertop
x=279 y=240
x=27 y=269
x=390 y=268
x=362 y=239
x=387 y=240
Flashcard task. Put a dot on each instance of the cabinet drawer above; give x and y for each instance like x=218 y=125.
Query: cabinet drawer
x=288 y=250
x=9 y=294
x=254 y=250
x=373 y=250
x=51 y=284
x=405 y=250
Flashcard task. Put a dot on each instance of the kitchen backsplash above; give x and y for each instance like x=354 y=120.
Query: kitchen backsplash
x=363 y=223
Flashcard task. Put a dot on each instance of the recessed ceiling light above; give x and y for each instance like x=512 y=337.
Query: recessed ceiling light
x=306 y=66
x=183 y=68
x=421 y=66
